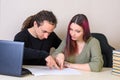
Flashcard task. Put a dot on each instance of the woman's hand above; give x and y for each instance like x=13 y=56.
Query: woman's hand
x=67 y=64
x=60 y=60
x=50 y=62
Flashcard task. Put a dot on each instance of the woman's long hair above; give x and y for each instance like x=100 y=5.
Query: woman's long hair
x=39 y=18
x=71 y=47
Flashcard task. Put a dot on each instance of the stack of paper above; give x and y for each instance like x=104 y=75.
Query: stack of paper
x=116 y=63
x=44 y=70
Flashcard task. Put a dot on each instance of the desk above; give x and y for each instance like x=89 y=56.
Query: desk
x=105 y=74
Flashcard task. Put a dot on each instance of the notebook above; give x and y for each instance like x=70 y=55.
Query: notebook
x=11 y=58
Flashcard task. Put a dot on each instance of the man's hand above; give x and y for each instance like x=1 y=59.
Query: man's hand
x=50 y=62
x=60 y=60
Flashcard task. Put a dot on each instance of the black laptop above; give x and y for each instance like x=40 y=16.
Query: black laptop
x=11 y=58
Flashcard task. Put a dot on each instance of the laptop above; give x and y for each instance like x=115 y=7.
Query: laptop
x=11 y=58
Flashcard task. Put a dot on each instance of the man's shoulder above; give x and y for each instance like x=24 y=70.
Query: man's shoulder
x=22 y=33
x=53 y=34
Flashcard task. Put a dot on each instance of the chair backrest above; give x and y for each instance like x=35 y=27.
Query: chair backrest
x=105 y=48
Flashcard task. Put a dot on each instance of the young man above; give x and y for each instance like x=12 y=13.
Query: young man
x=38 y=37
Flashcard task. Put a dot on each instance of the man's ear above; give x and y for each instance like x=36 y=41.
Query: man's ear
x=35 y=24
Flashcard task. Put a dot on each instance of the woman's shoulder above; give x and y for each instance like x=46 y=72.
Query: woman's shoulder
x=92 y=40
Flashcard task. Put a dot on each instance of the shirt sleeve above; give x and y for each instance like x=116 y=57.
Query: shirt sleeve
x=30 y=53
x=60 y=49
x=96 y=61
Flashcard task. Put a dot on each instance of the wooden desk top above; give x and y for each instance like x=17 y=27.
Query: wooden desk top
x=105 y=74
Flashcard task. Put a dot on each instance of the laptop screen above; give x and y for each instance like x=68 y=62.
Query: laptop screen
x=11 y=56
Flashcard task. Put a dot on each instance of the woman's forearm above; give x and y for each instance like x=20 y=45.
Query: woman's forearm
x=85 y=67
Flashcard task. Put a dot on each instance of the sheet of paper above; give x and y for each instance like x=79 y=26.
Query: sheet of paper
x=44 y=70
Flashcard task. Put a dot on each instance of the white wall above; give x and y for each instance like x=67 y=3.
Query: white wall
x=103 y=15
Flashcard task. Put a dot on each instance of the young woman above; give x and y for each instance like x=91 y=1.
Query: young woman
x=79 y=50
